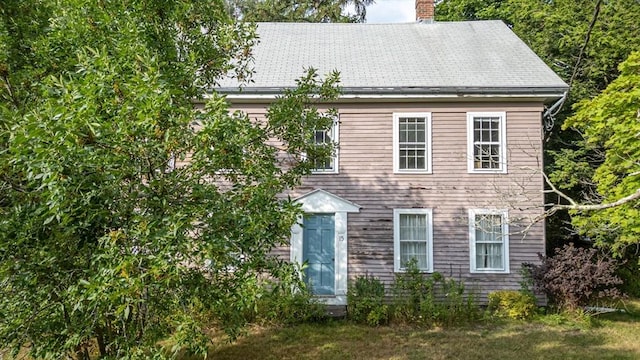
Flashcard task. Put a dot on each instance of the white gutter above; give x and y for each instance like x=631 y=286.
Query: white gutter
x=401 y=97
x=265 y=94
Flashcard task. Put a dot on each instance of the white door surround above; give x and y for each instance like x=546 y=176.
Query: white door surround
x=322 y=202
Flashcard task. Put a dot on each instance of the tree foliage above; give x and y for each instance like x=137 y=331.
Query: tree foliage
x=468 y=10
x=299 y=11
x=610 y=123
x=104 y=243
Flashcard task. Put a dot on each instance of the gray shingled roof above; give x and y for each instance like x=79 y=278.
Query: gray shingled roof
x=439 y=57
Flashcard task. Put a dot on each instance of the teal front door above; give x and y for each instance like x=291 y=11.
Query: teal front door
x=319 y=252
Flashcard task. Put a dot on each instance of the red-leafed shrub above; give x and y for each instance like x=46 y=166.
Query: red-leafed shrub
x=575 y=277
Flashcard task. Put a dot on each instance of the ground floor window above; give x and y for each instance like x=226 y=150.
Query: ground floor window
x=413 y=235
x=489 y=240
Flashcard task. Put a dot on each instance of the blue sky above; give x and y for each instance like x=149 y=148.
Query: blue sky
x=391 y=11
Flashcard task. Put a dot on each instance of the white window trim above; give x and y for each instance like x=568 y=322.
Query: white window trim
x=396 y=143
x=335 y=129
x=472 y=240
x=396 y=237
x=503 y=142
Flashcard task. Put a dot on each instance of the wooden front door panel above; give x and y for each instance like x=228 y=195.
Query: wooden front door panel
x=319 y=253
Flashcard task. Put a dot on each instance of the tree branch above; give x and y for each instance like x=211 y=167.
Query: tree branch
x=603 y=206
x=556 y=191
x=574 y=205
x=10 y=92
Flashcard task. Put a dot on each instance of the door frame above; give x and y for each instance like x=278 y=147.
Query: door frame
x=322 y=202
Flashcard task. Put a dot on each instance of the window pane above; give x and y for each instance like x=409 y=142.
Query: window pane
x=489 y=227
x=403 y=160
x=420 y=130
x=319 y=137
x=412 y=143
x=494 y=157
x=412 y=239
x=413 y=159
x=485 y=135
x=486 y=139
x=411 y=133
x=413 y=250
x=489 y=241
x=413 y=227
x=323 y=138
x=489 y=256
x=487 y=156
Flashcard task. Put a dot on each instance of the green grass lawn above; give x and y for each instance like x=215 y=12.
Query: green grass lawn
x=612 y=336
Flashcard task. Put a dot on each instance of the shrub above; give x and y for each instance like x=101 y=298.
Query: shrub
x=512 y=304
x=526 y=283
x=630 y=279
x=279 y=306
x=412 y=294
x=287 y=301
x=366 y=301
x=628 y=271
x=575 y=277
x=431 y=300
x=457 y=305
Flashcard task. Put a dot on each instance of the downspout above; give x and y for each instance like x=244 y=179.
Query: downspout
x=549 y=114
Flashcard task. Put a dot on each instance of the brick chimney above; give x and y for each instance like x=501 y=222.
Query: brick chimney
x=425 y=10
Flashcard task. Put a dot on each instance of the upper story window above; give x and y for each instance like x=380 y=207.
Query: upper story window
x=486 y=140
x=412 y=142
x=489 y=241
x=331 y=137
x=412 y=237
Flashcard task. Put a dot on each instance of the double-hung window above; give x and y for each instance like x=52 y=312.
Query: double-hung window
x=489 y=241
x=329 y=138
x=486 y=142
x=412 y=234
x=412 y=142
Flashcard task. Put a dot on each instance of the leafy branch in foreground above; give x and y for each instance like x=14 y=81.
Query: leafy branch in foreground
x=104 y=244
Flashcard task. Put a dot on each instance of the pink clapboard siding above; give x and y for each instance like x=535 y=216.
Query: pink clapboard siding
x=366 y=178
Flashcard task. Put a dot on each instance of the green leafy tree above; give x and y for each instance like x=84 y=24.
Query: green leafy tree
x=468 y=10
x=610 y=125
x=129 y=213
x=299 y=11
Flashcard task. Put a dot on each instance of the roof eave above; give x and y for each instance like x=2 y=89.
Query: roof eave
x=546 y=93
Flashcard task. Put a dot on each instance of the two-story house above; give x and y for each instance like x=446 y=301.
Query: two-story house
x=440 y=148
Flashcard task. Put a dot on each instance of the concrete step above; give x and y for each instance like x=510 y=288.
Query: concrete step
x=336 y=311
